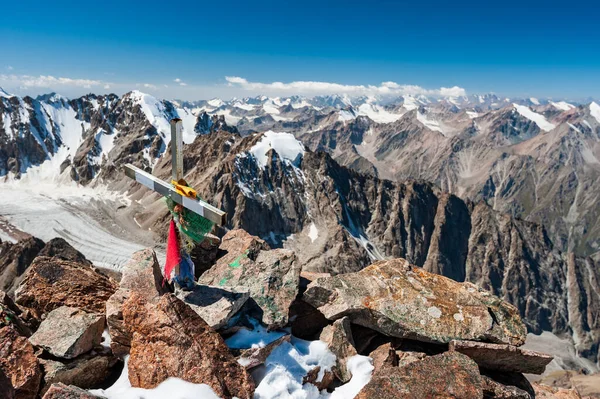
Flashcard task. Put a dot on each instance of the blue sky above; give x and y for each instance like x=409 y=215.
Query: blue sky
x=521 y=48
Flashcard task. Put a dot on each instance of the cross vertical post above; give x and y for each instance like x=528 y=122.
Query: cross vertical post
x=176 y=149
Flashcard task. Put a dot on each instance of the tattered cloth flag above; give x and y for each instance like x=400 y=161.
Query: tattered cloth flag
x=173 y=251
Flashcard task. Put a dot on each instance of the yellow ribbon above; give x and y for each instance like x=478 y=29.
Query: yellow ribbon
x=184 y=190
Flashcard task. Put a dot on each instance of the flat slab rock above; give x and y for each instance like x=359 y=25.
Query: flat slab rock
x=401 y=300
x=503 y=357
x=215 y=305
x=69 y=332
x=62 y=391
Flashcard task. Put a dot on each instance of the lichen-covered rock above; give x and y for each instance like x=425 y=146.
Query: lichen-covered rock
x=87 y=371
x=449 y=375
x=503 y=357
x=270 y=276
x=69 y=332
x=19 y=363
x=141 y=274
x=340 y=342
x=52 y=282
x=401 y=300
x=215 y=305
x=170 y=340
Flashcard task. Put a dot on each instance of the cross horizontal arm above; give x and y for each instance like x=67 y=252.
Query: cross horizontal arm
x=200 y=207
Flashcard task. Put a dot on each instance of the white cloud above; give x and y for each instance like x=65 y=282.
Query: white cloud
x=177 y=80
x=180 y=82
x=316 y=88
x=107 y=86
x=10 y=68
x=149 y=86
x=48 y=81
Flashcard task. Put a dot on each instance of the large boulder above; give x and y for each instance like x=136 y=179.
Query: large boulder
x=401 y=300
x=87 y=371
x=19 y=363
x=69 y=332
x=449 y=375
x=141 y=274
x=15 y=259
x=506 y=358
x=340 y=342
x=170 y=340
x=270 y=276
x=215 y=305
x=53 y=282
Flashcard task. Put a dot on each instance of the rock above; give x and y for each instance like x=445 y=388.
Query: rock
x=52 y=282
x=339 y=341
x=307 y=322
x=10 y=314
x=320 y=381
x=546 y=392
x=406 y=358
x=204 y=255
x=586 y=385
x=19 y=363
x=272 y=278
x=87 y=371
x=401 y=300
x=449 y=375
x=58 y=247
x=238 y=245
x=251 y=358
x=141 y=274
x=15 y=260
x=503 y=357
x=495 y=390
x=171 y=340
x=6 y=389
x=384 y=356
x=215 y=305
x=62 y=391
x=69 y=332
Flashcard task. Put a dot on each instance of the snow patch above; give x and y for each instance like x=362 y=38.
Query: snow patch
x=472 y=114
x=538 y=119
x=562 y=105
x=595 y=111
x=534 y=101
x=377 y=113
x=345 y=116
x=285 y=144
x=258 y=337
x=428 y=123
x=313 y=232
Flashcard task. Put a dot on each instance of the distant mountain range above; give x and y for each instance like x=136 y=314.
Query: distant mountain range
x=339 y=186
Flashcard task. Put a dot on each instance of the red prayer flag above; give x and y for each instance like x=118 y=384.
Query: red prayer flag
x=173 y=255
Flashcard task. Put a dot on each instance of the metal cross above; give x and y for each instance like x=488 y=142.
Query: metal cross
x=165 y=189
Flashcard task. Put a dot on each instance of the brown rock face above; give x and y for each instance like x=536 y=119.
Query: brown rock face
x=62 y=391
x=271 y=277
x=171 y=340
x=254 y=357
x=69 y=332
x=449 y=375
x=51 y=283
x=401 y=300
x=10 y=314
x=14 y=261
x=503 y=357
x=141 y=274
x=18 y=362
x=87 y=371
x=339 y=340
x=495 y=390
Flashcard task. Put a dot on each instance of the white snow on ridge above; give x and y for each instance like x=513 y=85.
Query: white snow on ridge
x=215 y=102
x=472 y=114
x=595 y=111
x=562 y=105
x=285 y=144
x=270 y=108
x=534 y=101
x=345 y=116
x=377 y=113
x=538 y=119
x=313 y=232
x=410 y=103
x=431 y=124
x=154 y=111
